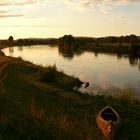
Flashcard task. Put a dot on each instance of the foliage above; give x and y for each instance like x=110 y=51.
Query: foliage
x=10 y=39
x=68 y=41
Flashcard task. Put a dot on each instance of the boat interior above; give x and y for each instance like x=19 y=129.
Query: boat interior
x=109 y=114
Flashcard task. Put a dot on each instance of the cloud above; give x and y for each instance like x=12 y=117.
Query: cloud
x=124 y=2
x=8 y=15
x=17 y=2
x=2 y=12
x=103 y=5
x=87 y=3
x=5 y=14
x=6 y=5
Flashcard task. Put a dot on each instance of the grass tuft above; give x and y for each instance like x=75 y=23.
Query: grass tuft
x=56 y=78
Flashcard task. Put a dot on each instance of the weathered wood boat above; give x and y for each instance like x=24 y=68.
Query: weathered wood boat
x=108 y=121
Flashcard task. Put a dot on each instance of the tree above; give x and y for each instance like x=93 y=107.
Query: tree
x=134 y=46
x=68 y=41
x=10 y=39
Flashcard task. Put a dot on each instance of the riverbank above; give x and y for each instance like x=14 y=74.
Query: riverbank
x=32 y=108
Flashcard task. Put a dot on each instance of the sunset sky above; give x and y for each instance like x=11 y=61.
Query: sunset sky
x=54 y=18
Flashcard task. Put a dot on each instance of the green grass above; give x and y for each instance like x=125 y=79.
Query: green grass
x=31 y=109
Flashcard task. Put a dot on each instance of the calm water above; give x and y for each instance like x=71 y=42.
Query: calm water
x=106 y=73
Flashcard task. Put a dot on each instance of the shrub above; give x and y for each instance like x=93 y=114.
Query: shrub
x=59 y=79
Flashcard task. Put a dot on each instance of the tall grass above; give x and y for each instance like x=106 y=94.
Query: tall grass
x=56 y=78
x=125 y=96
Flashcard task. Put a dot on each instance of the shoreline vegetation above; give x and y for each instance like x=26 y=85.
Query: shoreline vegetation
x=119 y=45
x=39 y=103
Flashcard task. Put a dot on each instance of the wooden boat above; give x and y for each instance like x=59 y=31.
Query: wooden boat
x=108 y=121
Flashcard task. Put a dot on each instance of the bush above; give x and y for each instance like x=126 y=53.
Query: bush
x=59 y=79
x=49 y=75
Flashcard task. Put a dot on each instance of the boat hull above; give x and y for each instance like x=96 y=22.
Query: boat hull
x=108 y=126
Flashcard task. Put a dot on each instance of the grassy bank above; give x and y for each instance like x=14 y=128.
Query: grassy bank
x=35 y=106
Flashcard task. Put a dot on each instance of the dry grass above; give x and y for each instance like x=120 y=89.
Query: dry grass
x=125 y=95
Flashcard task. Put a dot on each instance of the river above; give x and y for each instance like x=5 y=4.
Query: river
x=106 y=73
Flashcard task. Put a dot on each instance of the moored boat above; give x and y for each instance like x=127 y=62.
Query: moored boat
x=108 y=121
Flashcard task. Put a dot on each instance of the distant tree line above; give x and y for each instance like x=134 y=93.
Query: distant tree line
x=113 y=39
x=123 y=44
x=30 y=41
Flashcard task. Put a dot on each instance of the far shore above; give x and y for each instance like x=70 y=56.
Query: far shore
x=120 y=45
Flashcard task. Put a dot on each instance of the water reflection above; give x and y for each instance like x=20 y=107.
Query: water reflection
x=66 y=52
x=134 y=61
x=119 y=56
x=11 y=50
x=104 y=72
x=20 y=48
x=69 y=52
x=96 y=54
